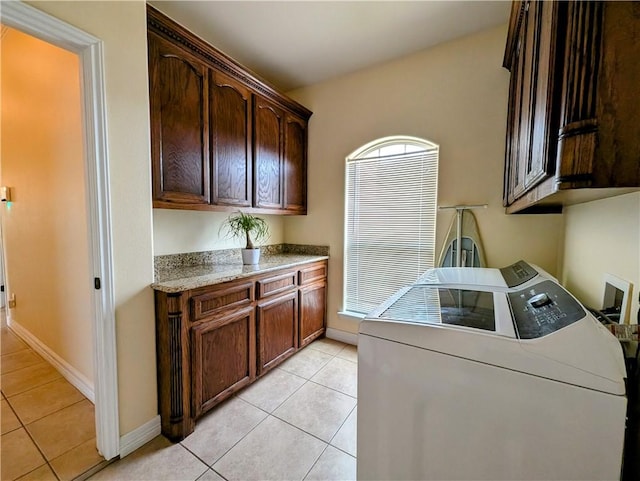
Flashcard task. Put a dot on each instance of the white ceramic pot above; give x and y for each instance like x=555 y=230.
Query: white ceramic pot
x=250 y=256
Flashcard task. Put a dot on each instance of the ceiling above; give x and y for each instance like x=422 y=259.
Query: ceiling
x=294 y=44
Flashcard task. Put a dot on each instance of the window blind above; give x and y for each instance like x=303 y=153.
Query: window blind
x=390 y=223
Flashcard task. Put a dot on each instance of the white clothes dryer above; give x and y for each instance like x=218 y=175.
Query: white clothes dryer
x=488 y=382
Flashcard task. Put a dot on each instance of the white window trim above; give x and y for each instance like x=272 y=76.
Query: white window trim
x=360 y=153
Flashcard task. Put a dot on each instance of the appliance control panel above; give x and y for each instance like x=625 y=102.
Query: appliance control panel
x=542 y=309
x=518 y=273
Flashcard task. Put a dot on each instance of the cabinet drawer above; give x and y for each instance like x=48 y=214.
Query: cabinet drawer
x=223 y=358
x=212 y=302
x=276 y=284
x=312 y=273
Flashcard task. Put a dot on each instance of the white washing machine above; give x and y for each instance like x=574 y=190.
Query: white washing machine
x=515 y=276
x=488 y=382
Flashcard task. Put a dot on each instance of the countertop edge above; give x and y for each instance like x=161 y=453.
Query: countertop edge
x=171 y=287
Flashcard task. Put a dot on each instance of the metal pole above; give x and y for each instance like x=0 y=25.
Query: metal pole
x=459 y=210
x=459 y=213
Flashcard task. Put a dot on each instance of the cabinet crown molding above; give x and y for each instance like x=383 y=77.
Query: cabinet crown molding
x=169 y=29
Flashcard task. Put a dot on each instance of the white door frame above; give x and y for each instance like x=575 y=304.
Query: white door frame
x=90 y=50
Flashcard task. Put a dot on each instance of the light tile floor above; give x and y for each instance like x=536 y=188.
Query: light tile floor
x=298 y=422
x=48 y=427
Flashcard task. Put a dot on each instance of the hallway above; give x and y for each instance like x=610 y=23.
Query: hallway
x=48 y=426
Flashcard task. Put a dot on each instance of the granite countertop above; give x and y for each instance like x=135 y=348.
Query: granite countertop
x=184 y=278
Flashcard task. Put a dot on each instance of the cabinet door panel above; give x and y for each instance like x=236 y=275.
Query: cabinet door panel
x=579 y=123
x=527 y=98
x=223 y=358
x=545 y=89
x=312 y=312
x=179 y=124
x=533 y=97
x=268 y=126
x=277 y=330
x=230 y=141
x=295 y=164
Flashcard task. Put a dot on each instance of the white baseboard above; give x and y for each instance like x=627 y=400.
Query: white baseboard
x=70 y=373
x=343 y=336
x=139 y=437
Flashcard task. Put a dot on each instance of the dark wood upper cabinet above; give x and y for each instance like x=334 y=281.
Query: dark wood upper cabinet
x=295 y=163
x=532 y=125
x=230 y=141
x=268 y=134
x=571 y=134
x=179 y=124
x=221 y=137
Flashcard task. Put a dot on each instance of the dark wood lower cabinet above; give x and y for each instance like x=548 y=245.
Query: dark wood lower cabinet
x=277 y=330
x=313 y=302
x=214 y=340
x=224 y=349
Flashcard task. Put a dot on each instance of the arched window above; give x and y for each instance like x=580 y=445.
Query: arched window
x=390 y=218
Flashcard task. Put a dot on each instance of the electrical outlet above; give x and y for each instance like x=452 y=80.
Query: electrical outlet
x=12 y=301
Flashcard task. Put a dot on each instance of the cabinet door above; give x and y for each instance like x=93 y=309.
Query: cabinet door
x=579 y=123
x=546 y=90
x=295 y=164
x=267 y=148
x=533 y=98
x=312 y=311
x=277 y=330
x=230 y=141
x=178 y=89
x=223 y=358
x=521 y=103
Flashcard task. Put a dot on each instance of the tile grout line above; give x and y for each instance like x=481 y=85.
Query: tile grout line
x=24 y=426
x=55 y=412
x=315 y=462
x=333 y=389
x=343 y=422
x=33 y=441
x=42 y=385
x=219 y=474
x=270 y=414
x=210 y=466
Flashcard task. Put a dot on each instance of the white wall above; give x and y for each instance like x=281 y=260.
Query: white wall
x=122 y=28
x=455 y=95
x=179 y=231
x=602 y=237
x=45 y=227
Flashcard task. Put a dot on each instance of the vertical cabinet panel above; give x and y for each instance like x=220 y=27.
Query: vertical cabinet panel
x=526 y=55
x=547 y=79
x=295 y=164
x=277 y=330
x=312 y=312
x=223 y=353
x=230 y=141
x=268 y=168
x=178 y=88
x=579 y=122
x=533 y=96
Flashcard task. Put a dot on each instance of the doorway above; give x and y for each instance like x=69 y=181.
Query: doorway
x=88 y=50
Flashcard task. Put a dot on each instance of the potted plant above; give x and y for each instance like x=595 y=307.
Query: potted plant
x=246 y=225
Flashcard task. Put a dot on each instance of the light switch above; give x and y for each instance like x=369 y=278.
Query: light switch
x=5 y=194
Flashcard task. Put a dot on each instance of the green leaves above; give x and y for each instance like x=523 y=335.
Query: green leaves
x=244 y=225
